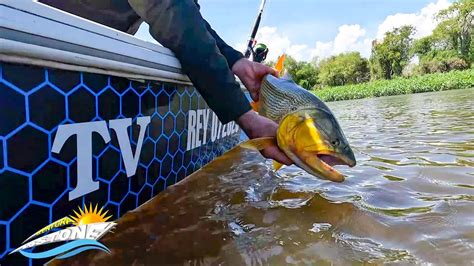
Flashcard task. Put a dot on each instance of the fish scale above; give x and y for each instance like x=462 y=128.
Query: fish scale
x=278 y=97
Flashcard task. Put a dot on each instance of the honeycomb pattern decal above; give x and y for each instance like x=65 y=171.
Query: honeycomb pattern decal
x=35 y=182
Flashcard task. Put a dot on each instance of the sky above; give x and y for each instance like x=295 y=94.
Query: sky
x=306 y=29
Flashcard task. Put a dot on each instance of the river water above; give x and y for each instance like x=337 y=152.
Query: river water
x=410 y=199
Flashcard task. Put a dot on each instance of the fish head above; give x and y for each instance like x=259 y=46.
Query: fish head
x=313 y=139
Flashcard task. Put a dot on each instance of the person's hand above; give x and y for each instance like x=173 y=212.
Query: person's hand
x=256 y=126
x=251 y=75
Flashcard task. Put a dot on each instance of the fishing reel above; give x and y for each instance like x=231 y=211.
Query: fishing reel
x=259 y=53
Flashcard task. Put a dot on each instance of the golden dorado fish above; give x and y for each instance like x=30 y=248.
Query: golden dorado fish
x=308 y=133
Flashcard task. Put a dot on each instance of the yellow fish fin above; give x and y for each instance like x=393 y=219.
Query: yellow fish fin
x=280 y=64
x=255 y=106
x=276 y=165
x=259 y=143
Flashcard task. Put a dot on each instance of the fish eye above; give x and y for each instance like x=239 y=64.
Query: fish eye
x=335 y=142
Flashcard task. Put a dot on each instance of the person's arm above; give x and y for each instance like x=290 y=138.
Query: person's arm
x=230 y=53
x=179 y=26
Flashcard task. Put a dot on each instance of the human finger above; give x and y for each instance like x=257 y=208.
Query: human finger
x=274 y=72
x=254 y=95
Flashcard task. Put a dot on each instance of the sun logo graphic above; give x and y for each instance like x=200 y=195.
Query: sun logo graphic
x=88 y=226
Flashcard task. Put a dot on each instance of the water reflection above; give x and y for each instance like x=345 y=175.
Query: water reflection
x=409 y=200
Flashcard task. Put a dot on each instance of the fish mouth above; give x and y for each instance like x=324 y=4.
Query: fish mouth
x=332 y=159
x=323 y=162
x=307 y=143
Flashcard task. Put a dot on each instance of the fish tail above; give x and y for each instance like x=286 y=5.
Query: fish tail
x=259 y=144
x=280 y=64
x=277 y=165
x=255 y=106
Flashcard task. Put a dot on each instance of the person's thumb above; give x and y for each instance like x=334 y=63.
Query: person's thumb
x=254 y=95
x=274 y=72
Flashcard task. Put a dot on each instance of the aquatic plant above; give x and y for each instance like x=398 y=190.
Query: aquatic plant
x=426 y=83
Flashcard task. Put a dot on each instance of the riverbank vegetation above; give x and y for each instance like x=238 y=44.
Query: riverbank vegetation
x=425 y=83
x=398 y=63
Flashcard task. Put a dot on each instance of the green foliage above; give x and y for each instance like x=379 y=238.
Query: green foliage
x=307 y=75
x=441 y=61
x=426 y=83
x=390 y=56
x=303 y=73
x=457 y=24
x=450 y=47
x=342 y=69
x=422 y=46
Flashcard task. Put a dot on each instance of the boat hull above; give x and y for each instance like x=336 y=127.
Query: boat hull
x=45 y=174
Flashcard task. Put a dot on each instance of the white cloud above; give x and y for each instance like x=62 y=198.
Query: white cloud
x=297 y=51
x=348 y=38
x=353 y=37
x=278 y=44
x=424 y=21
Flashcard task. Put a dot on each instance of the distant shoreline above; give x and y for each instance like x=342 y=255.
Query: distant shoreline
x=427 y=83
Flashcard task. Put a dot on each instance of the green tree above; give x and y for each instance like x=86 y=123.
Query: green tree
x=390 y=56
x=307 y=74
x=450 y=46
x=457 y=23
x=342 y=69
x=303 y=73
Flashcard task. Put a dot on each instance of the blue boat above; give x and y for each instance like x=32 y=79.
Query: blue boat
x=89 y=114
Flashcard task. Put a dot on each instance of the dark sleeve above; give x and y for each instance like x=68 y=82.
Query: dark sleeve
x=179 y=26
x=230 y=53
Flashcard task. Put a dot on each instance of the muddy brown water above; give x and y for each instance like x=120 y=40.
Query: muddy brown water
x=409 y=200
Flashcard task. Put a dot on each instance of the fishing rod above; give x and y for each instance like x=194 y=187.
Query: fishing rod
x=261 y=54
